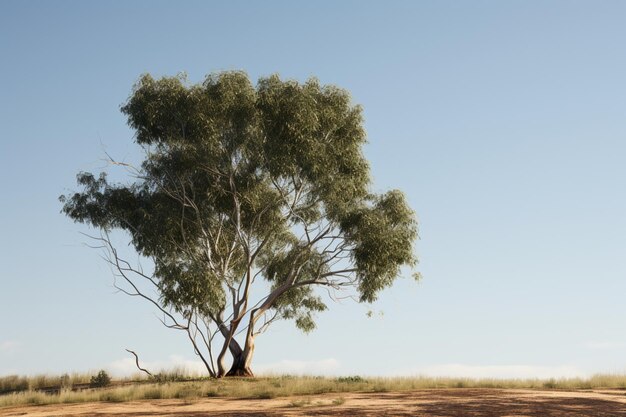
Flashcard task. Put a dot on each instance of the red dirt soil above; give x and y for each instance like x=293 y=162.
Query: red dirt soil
x=436 y=402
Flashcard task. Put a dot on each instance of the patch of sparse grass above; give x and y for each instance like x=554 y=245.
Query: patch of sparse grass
x=300 y=402
x=112 y=397
x=18 y=390
x=211 y=393
x=174 y=375
x=550 y=384
x=264 y=395
x=339 y=401
x=380 y=388
x=34 y=398
x=13 y=383
x=308 y=402
x=153 y=393
x=192 y=391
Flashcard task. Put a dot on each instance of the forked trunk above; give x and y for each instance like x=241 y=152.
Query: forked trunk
x=235 y=351
x=239 y=368
x=242 y=363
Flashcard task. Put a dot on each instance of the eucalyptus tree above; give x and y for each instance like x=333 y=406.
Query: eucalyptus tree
x=249 y=200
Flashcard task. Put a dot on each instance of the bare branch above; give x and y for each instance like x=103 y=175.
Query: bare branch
x=137 y=363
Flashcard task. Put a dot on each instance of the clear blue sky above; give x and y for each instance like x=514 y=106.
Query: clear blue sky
x=503 y=122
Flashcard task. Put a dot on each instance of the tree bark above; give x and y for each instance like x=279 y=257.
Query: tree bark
x=229 y=344
x=242 y=363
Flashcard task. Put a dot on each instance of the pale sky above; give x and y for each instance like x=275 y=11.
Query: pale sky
x=503 y=122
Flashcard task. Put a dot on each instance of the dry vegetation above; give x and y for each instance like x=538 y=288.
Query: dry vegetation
x=43 y=389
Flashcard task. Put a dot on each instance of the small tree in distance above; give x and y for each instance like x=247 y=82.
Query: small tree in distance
x=102 y=379
x=247 y=190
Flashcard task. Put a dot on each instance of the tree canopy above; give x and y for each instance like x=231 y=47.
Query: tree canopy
x=247 y=186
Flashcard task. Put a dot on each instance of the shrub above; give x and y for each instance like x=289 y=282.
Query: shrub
x=350 y=379
x=550 y=384
x=102 y=379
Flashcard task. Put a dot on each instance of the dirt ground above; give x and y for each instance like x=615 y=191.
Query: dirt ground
x=444 y=403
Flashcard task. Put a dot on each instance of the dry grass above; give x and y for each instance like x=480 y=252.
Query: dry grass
x=265 y=387
x=41 y=382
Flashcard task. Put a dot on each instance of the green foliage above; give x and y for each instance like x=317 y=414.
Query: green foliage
x=102 y=379
x=241 y=179
x=382 y=234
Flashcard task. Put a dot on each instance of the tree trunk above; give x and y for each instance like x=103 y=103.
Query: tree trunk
x=239 y=368
x=235 y=351
x=233 y=347
x=242 y=363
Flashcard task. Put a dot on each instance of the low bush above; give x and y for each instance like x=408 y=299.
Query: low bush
x=102 y=379
x=350 y=379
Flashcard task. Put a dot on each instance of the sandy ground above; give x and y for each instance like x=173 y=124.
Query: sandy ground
x=448 y=402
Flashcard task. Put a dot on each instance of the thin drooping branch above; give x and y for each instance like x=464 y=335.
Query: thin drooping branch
x=137 y=364
x=123 y=269
x=192 y=338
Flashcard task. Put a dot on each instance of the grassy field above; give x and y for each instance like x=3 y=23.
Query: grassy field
x=44 y=389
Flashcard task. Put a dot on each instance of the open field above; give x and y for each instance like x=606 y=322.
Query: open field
x=601 y=395
x=430 y=402
x=45 y=389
